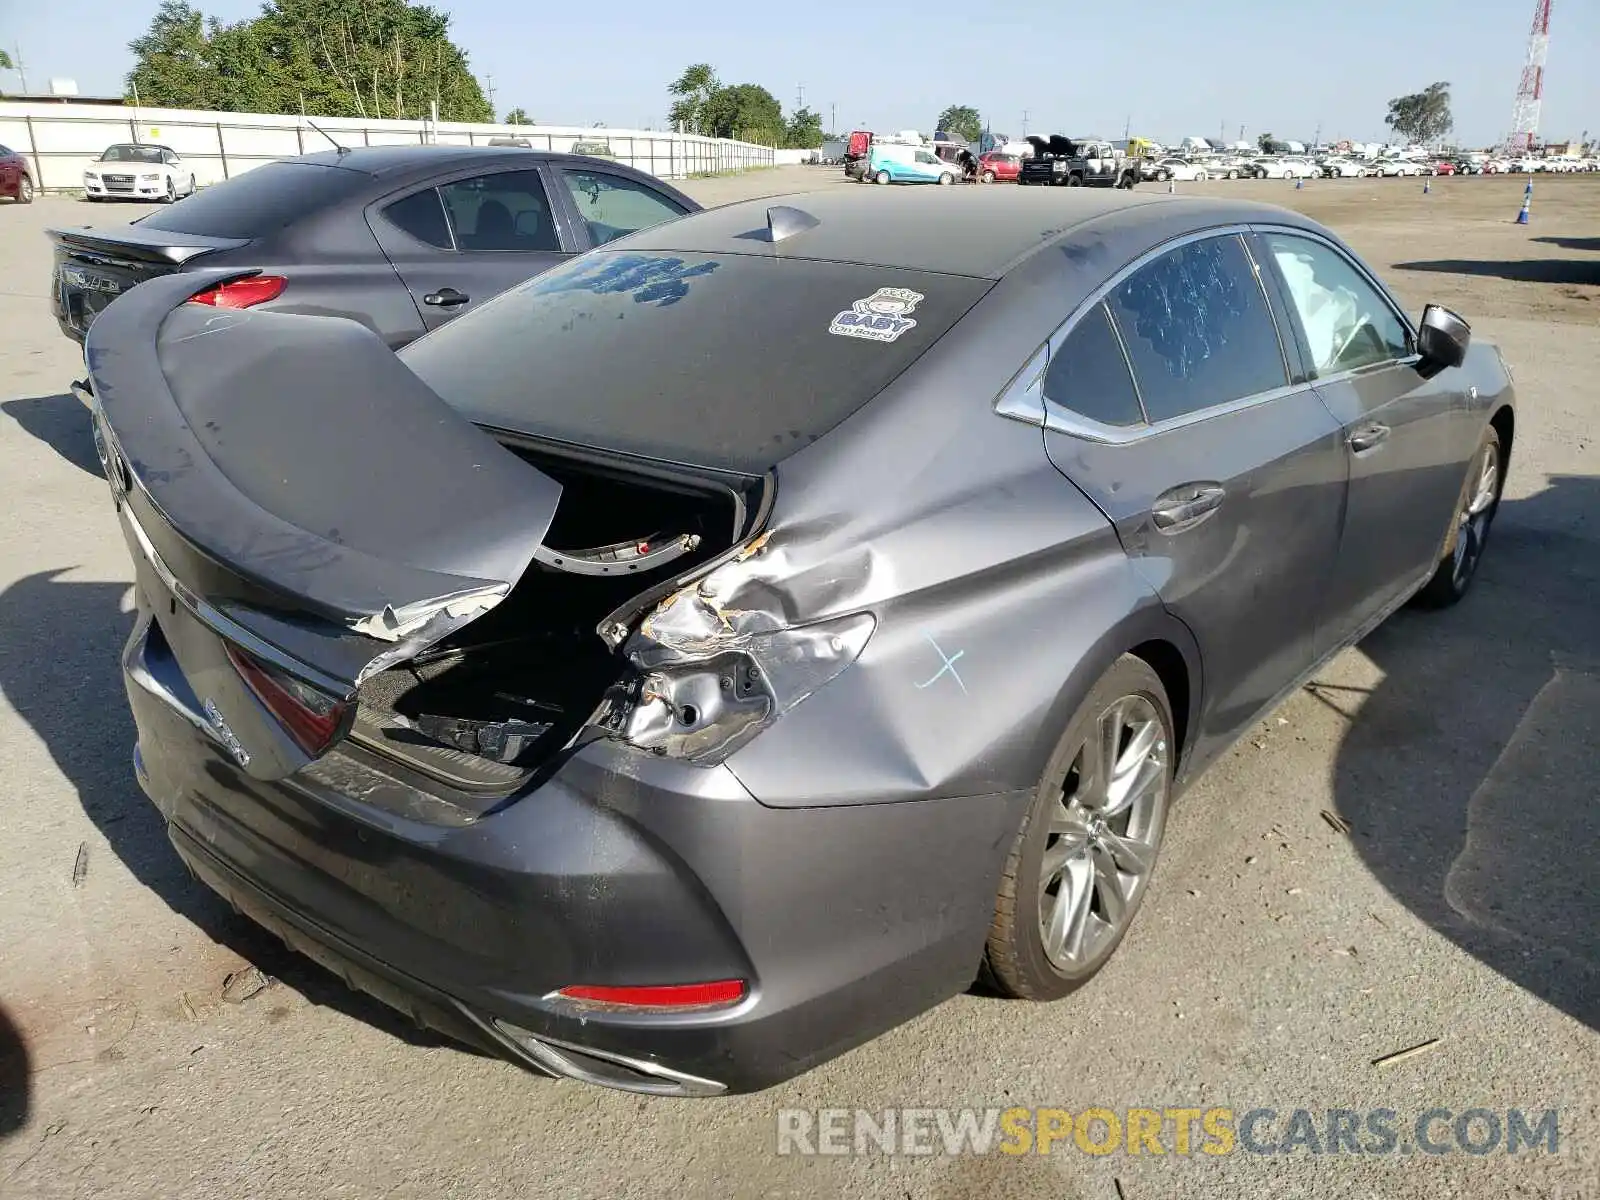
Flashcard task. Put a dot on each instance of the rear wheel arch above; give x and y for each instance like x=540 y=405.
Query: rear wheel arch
x=1152 y=634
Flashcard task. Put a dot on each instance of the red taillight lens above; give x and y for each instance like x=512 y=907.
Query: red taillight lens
x=673 y=995
x=311 y=718
x=242 y=293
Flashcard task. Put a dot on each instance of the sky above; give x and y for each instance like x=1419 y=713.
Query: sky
x=1161 y=68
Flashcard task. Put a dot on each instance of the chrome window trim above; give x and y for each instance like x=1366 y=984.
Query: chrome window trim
x=1018 y=401
x=1399 y=313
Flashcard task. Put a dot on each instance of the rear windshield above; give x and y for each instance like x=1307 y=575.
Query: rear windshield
x=259 y=202
x=730 y=361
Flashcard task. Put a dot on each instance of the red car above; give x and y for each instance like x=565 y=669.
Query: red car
x=995 y=165
x=16 y=180
x=1444 y=167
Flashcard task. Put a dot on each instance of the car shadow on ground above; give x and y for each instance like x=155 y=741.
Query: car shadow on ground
x=60 y=422
x=16 y=1070
x=60 y=651
x=1538 y=270
x=1468 y=773
x=1591 y=244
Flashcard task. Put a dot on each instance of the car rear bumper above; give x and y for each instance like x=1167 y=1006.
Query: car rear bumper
x=619 y=870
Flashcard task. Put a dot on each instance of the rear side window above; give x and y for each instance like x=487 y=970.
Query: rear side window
x=422 y=216
x=730 y=361
x=505 y=211
x=1197 y=329
x=260 y=202
x=1089 y=375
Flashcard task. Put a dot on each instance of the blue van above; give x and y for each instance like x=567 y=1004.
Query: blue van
x=908 y=164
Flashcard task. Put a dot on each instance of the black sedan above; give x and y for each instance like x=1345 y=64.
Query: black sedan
x=731 y=643
x=400 y=238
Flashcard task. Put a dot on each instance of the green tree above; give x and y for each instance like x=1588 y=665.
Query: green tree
x=175 y=67
x=1423 y=116
x=5 y=62
x=746 y=111
x=353 y=58
x=517 y=116
x=804 y=130
x=693 y=89
x=962 y=121
x=1265 y=142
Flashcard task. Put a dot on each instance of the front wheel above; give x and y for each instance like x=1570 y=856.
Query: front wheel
x=1163 y=176
x=1201 y=177
x=988 y=177
x=882 y=177
x=946 y=179
x=24 y=190
x=1080 y=865
x=1474 y=515
x=172 y=191
x=1233 y=174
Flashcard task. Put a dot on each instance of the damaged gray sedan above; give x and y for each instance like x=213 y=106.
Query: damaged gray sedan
x=735 y=641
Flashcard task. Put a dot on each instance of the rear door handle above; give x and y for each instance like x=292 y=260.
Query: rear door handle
x=1185 y=507
x=1367 y=437
x=446 y=298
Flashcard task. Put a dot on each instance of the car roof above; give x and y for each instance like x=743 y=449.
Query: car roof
x=388 y=161
x=977 y=231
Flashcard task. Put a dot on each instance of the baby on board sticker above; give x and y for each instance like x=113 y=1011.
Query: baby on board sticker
x=881 y=317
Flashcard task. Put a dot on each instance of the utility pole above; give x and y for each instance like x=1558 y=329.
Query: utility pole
x=833 y=118
x=1127 y=127
x=799 y=96
x=22 y=72
x=488 y=86
x=1024 y=122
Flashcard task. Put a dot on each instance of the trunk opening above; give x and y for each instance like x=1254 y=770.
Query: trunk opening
x=483 y=709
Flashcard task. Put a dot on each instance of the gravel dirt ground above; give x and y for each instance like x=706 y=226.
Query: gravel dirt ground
x=1276 y=959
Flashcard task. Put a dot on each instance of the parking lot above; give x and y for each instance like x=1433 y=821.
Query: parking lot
x=1406 y=851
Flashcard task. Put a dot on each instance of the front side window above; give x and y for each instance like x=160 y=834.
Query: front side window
x=1088 y=374
x=1197 y=329
x=613 y=206
x=506 y=211
x=1346 y=323
x=924 y=157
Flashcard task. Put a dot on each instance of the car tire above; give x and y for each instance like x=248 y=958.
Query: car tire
x=1201 y=177
x=172 y=191
x=25 y=190
x=1074 y=180
x=987 y=177
x=192 y=187
x=1163 y=176
x=1233 y=174
x=946 y=179
x=881 y=178
x=1065 y=845
x=1469 y=535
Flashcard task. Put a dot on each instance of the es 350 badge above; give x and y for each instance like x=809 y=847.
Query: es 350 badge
x=881 y=317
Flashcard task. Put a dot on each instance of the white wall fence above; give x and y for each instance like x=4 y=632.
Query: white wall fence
x=60 y=140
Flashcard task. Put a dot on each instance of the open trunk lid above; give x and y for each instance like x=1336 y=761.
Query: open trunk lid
x=298 y=502
x=95 y=266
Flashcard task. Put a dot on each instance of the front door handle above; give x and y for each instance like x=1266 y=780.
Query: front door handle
x=1185 y=507
x=446 y=297
x=1368 y=436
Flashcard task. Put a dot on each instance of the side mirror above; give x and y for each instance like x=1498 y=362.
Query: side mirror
x=1442 y=338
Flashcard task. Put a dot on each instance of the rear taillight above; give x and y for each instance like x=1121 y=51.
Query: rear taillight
x=242 y=293
x=312 y=718
x=663 y=996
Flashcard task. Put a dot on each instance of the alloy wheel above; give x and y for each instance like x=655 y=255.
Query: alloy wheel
x=1476 y=515
x=1104 y=831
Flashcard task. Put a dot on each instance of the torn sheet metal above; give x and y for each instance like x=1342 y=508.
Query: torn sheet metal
x=721 y=659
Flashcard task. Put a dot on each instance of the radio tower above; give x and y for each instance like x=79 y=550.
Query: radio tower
x=1530 y=90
